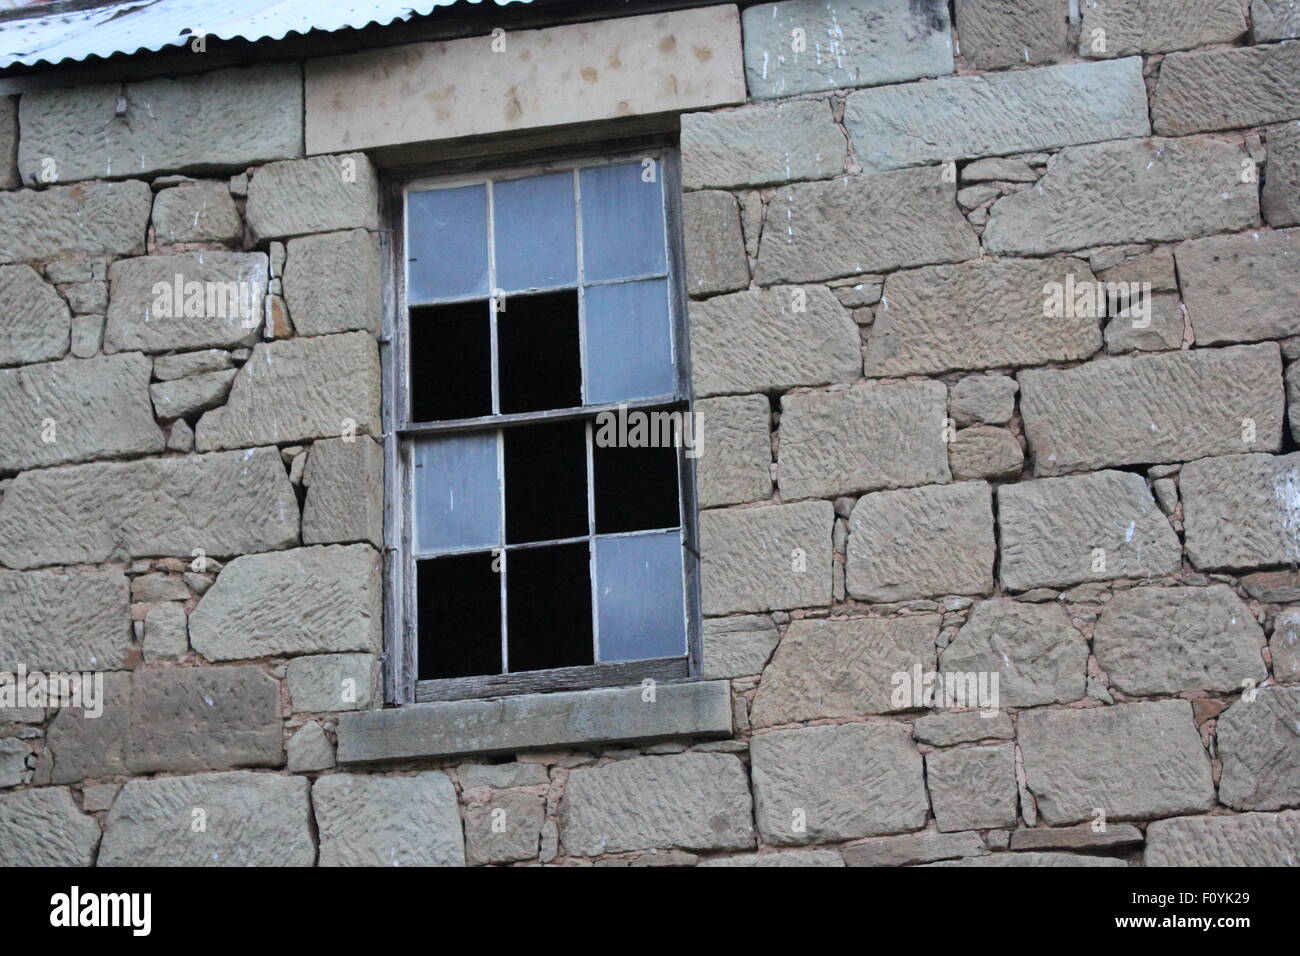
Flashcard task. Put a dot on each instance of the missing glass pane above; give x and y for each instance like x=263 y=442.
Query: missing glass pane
x=460 y=616
x=540 y=360
x=546 y=481
x=635 y=488
x=451 y=362
x=548 y=601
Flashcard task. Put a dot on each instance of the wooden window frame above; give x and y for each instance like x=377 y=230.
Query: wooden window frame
x=401 y=685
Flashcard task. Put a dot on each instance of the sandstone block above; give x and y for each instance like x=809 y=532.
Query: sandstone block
x=319 y=194
x=756 y=145
x=985 y=452
x=763 y=559
x=309 y=749
x=67 y=622
x=166 y=637
x=1076 y=838
x=1257 y=744
x=913 y=848
x=983 y=400
x=80 y=745
x=1274 y=20
x=1280 y=197
x=997 y=33
x=332 y=682
x=34 y=321
x=1248 y=839
x=183 y=397
x=944 y=730
x=736 y=463
x=1241 y=288
x=737 y=646
x=715 y=245
x=1033 y=859
x=1157 y=26
x=972 y=787
x=93 y=219
x=334 y=283
x=504 y=829
x=183 y=364
x=1226 y=89
x=197 y=212
x=43 y=827
x=388 y=821
x=345 y=492
x=1242 y=511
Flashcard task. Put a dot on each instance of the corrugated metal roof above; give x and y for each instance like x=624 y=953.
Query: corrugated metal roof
x=133 y=26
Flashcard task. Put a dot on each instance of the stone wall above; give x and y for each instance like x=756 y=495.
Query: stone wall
x=915 y=465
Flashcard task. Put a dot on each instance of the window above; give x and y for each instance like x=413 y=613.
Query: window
x=545 y=544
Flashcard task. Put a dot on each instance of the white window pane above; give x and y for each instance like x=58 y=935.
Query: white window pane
x=457 y=495
x=446 y=250
x=535 y=232
x=622 y=222
x=639 y=604
x=629 y=341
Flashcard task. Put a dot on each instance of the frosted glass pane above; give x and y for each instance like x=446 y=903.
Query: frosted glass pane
x=629 y=341
x=457 y=498
x=534 y=229
x=639 y=597
x=622 y=223
x=446 y=234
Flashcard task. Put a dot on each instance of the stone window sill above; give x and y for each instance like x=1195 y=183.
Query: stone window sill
x=607 y=715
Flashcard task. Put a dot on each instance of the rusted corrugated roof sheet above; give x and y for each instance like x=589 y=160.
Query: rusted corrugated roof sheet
x=134 y=26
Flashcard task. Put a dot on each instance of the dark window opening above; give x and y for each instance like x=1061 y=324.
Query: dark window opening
x=540 y=359
x=451 y=362
x=548 y=601
x=635 y=489
x=460 y=616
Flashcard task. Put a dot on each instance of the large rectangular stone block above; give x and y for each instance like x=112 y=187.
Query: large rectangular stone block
x=692 y=801
x=34 y=320
x=757 y=145
x=1157 y=26
x=345 y=492
x=858 y=43
x=1280 y=197
x=763 y=559
x=70 y=622
x=536 y=721
x=1241 y=288
x=981 y=314
x=296 y=390
x=224 y=504
x=758 y=342
x=43 y=827
x=367 y=820
x=249 y=819
x=1055 y=532
x=1257 y=744
x=1246 y=839
x=972 y=787
x=76 y=410
x=321 y=194
x=226 y=119
x=997 y=113
x=1227 y=89
x=715 y=243
x=1133 y=761
x=1242 y=511
x=192 y=300
x=858 y=224
x=736 y=462
x=1149 y=190
x=303 y=601
x=1001 y=33
x=334 y=283
x=847 y=441
x=1154 y=408
x=93 y=219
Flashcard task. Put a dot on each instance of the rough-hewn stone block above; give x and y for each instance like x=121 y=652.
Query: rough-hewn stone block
x=967 y=727
x=1038 y=657
x=332 y=682
x=764 y=559
x=1150 y=190
x=1257 y=744
x=333 y=283
x=869 y=223
x=249 y=819
x=922 y=542
x=845 y=44
x=693 y=801
x=205 y=718
x=1156 y=26
x=1226 y=89
x=67 y=622
x=1001 y=33
x=247 y=116
x=1061 y=531
x=91 y=219
x=756 y=145
x=977 y=315
x=737 y=646
x=837 y=782
x=34 y=321
x=168 y=367
x=1154 y=408
x=504 y=829
x=1033 y=859
x=982 y=400
x=298 y=389
x=1076 y=838
x=166 y=632
x=1134 y=761
x=76 y=410
x=1170 y=640
x=842 y=668
x=191 y=300
x=1241 y=288
x=43 y=827
x=1242 y=511
x=736 y=461
x=861 y=439
x=197 y=212
x=758 y=342
x=388 y=821
x=997 y=113
x=913 y=848
x=321 y=194
x=183 y=397
x=225 y=504
x=972 y=787
x=81 y=744
x=1280 y=197
x=309 y=749
x=1250 y=839
x=345 y=492
x=536 y=721
x=304 y=601
x=715 y=245
x=985 y=452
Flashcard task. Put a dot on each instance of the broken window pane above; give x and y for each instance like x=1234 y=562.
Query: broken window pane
x=460 y=616
x=546 y=482
x=629 y=341
x=636 y=488
x=446 y=244
x=457 y=494
x=639 y=607
x=540 y=360
x=534 y=232
x=548 y=607
x=451 y=362
x=622 y=221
